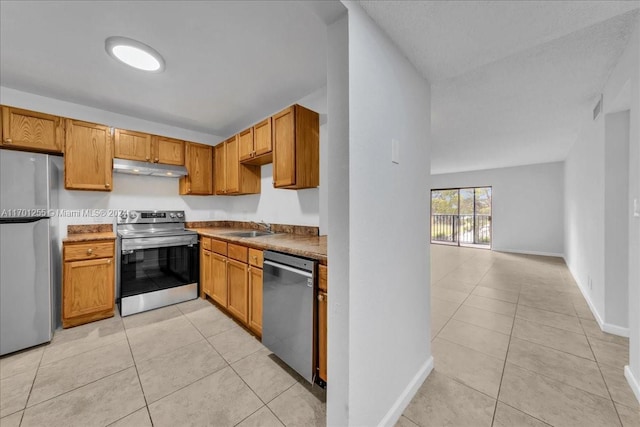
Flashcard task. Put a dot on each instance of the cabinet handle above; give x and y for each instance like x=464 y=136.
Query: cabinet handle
x=8 y=141
x=147 y=158
x=89 y=251
x=206 y=254
x=108 y=261
x=188 y=190
x=253 y=257
x=107 y=185
x=320 y=297
x=156 y=160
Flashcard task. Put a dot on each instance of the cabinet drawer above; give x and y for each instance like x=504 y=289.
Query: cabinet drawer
x=256 y=257
x=88 y=250
x=205 y=243
x=238 y=252
x=322 y=278
x=219 y=247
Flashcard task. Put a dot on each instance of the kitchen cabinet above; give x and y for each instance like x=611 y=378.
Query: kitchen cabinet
x=167 y=151
x=255 y=291
x=296 y=148
x=199 y=163
x=255 y=144
x=132 y=145
x=88 y=158
x=232 y=177
x=88 y=282
x=142 y=147
x=32 y=131
x=231 y=275
x=238 y=290
x=322 y=322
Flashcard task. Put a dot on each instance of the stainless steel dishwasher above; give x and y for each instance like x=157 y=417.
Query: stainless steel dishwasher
x=288 y=310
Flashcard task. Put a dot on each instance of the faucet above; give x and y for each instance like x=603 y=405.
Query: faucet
x=266 y=226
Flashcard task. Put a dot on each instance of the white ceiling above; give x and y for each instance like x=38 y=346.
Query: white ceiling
x=228 y=64
x=512 y=82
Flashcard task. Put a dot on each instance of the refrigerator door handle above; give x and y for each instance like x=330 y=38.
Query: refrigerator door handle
x=24 y=220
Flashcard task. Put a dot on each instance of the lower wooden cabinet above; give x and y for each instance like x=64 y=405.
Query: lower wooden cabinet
x=233 y=280
x=88 y=282
x=219 y=291
x=238 y=290
x=255 y=300
x=322 y=322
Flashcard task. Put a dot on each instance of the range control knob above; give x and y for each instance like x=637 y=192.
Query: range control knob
x=133 y=215
x=172 y=215
x=180 y=215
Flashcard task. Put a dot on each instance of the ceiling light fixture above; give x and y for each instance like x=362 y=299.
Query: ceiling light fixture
x=135 y=54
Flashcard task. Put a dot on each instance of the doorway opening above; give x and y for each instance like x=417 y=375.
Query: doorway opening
x=461 y=216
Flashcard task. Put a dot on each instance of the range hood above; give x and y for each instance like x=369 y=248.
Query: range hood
x=145 y=168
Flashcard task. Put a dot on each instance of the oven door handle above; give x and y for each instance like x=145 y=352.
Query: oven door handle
x=158 y=242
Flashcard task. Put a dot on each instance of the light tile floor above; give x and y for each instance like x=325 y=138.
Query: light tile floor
x=515 y=344
x=184 y=365
x=513 y=339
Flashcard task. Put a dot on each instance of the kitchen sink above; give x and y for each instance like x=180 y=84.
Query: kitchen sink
x=249 y=233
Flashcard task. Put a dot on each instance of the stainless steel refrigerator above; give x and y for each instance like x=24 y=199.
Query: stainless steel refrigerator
x=29 y=254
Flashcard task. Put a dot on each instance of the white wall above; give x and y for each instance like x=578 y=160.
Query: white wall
x=616 y=232
x=527 y=205
x=585 y=219
x=389 y=353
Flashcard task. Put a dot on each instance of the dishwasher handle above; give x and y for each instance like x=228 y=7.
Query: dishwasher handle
x=291 y=269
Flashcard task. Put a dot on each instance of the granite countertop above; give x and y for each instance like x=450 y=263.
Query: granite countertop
x=85 y=237
x=314 y=247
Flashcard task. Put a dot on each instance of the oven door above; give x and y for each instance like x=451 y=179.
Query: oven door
x=157 y=263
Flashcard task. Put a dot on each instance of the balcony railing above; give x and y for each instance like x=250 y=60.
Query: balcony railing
x=463 y=229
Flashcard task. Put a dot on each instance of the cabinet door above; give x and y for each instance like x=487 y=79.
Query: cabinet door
x=245 y=143
x=284 y=148
x=322 y=335
x=219 y=279
x=167 y=151
x=88 y=160
x=238 y=301
x=31 y=130
x=232 y=166
x=132 y=145
x=88 y=287
x=220 y=169
x=205 y=273
x=200 y=168
x=255 y=300
x=262 y=137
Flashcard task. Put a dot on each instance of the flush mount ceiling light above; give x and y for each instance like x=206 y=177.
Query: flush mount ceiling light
x=135 y=54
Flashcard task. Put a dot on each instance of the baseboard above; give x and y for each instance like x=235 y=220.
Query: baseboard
x=633 y=382
x=396 y=410
x=605 y=327
x=518 y=251
x=615 y=330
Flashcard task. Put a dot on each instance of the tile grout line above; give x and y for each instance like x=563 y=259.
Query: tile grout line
x=31 y=389
x=504 y=365
x=606 y=385
x=146 y=404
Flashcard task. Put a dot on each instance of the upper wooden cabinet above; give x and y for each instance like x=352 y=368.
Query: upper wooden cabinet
x=132 y=145
x=255 y=144
x=199 y=163
x=32 y=131
x=296 y=148
x=232 y=177
x=143 y=147
x=167 y=151
x=88 y=159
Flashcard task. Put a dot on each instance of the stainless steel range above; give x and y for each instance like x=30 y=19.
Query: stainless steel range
x=158 y=262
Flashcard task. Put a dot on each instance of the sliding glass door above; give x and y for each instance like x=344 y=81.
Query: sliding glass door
x=461 y=216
